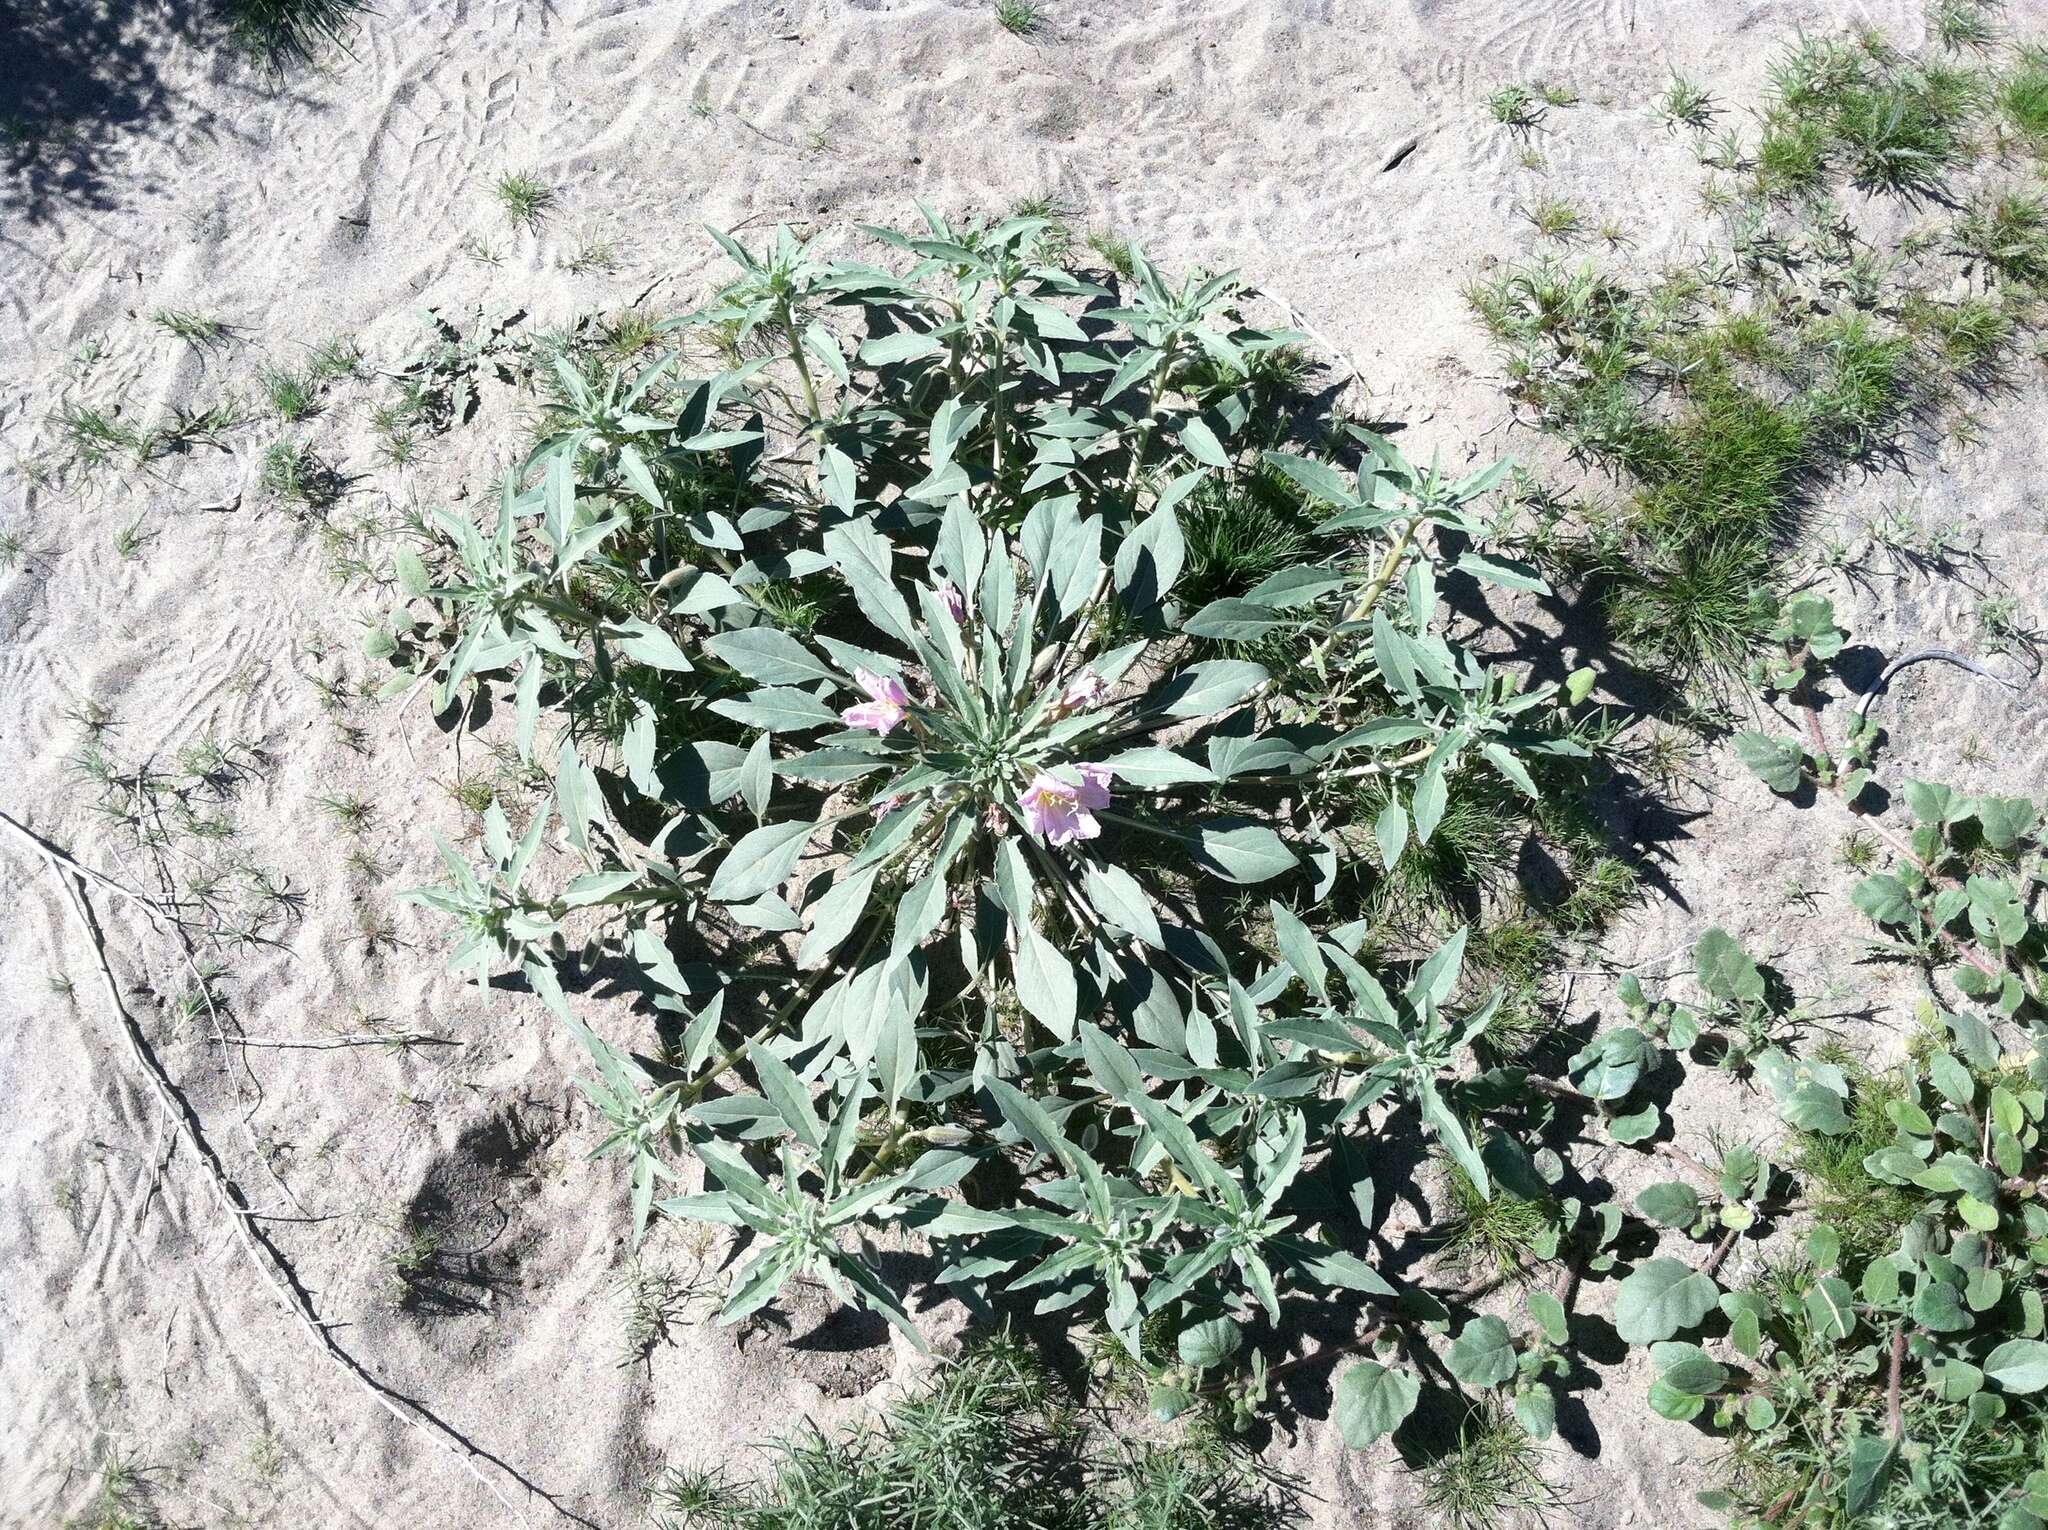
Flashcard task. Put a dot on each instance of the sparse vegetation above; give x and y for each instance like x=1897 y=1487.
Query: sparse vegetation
x=1017 y=17
x=990 y=1443
x=1687 y=103
x=1516 y=106
x=525 y=199
x=282 y=33
x=193 y=328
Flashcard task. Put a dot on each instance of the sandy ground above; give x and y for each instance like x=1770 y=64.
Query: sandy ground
x=1338 y=153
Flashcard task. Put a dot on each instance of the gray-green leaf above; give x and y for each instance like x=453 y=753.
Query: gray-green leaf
x=1371 y=1402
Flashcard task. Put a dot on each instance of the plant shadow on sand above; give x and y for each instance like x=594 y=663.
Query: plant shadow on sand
x=82 y=75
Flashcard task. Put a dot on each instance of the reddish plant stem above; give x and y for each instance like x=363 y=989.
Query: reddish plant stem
x=1680 y=1155
x=1721 y=1251
x=1568 y=1288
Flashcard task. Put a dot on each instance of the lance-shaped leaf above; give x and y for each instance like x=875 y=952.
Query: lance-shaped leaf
x=862 y=554
x=1118 y=1073
x=1045 y=979
x=762 y=861
x=770 y=656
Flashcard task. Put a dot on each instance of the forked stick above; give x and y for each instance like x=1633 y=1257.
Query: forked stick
x=263 y=1254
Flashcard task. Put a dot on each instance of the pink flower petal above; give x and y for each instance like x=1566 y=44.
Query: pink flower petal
x=1056 y=813
x=886 y=688
x=1093 y=791
x=880 y=716
x=1084 y=690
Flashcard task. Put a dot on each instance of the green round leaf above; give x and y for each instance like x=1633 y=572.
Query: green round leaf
x=1483 y=1355
x=1210 y=1343
x=1670 y=1204
x=2019 y=1365
x=1662 y=1298
x=1371 y=1401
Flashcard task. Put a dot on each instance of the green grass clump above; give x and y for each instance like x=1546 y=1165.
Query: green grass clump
x=1968 y=336
x=193 y=328
x=1686 y=103
x=1516 y=106
x=526 y=200
x=1726 y=463
x=2023 y=97
x=1862 y=384
x=296 y=474
x=1554 y=218
x=334 y=359
x=1692 y=603
x=1900 y=135
x=281 y=32
x=1492 y=1478
x=1239 y=534
x=1867 y=1212
x=1114 y=251
x=1791 y=159
x=1960 y=24
x=1018 y=17
x=1472 y=853
x=1496 y=1233
x=292 y=395
x=1808 y=77
x=122 y=1499
x=990 y=1444
x=2008 y=233
x=131 y=539
x=94 y=437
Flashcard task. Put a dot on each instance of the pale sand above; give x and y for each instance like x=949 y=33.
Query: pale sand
x=1260 y=136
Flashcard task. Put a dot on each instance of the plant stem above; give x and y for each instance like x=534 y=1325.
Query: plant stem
x=803 y=368
x=1152 y=392
x=688 y=1093
x=1894 y=1413
x=1388 y=568
x=1370 y=596
x=996 y=405
x=1721 y=1251
x=897 y=1130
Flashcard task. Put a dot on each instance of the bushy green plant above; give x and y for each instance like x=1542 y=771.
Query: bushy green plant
x=917 y=781
x=943 y=867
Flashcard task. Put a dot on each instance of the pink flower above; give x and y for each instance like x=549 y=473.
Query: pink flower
x=885 y=707
x=1059 y=813
x=882 y=807
x=1084 y=690
x=953 y=601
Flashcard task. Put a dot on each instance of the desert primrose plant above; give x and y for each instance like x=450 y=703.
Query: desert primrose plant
x=896 y=753
x=918 y=796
